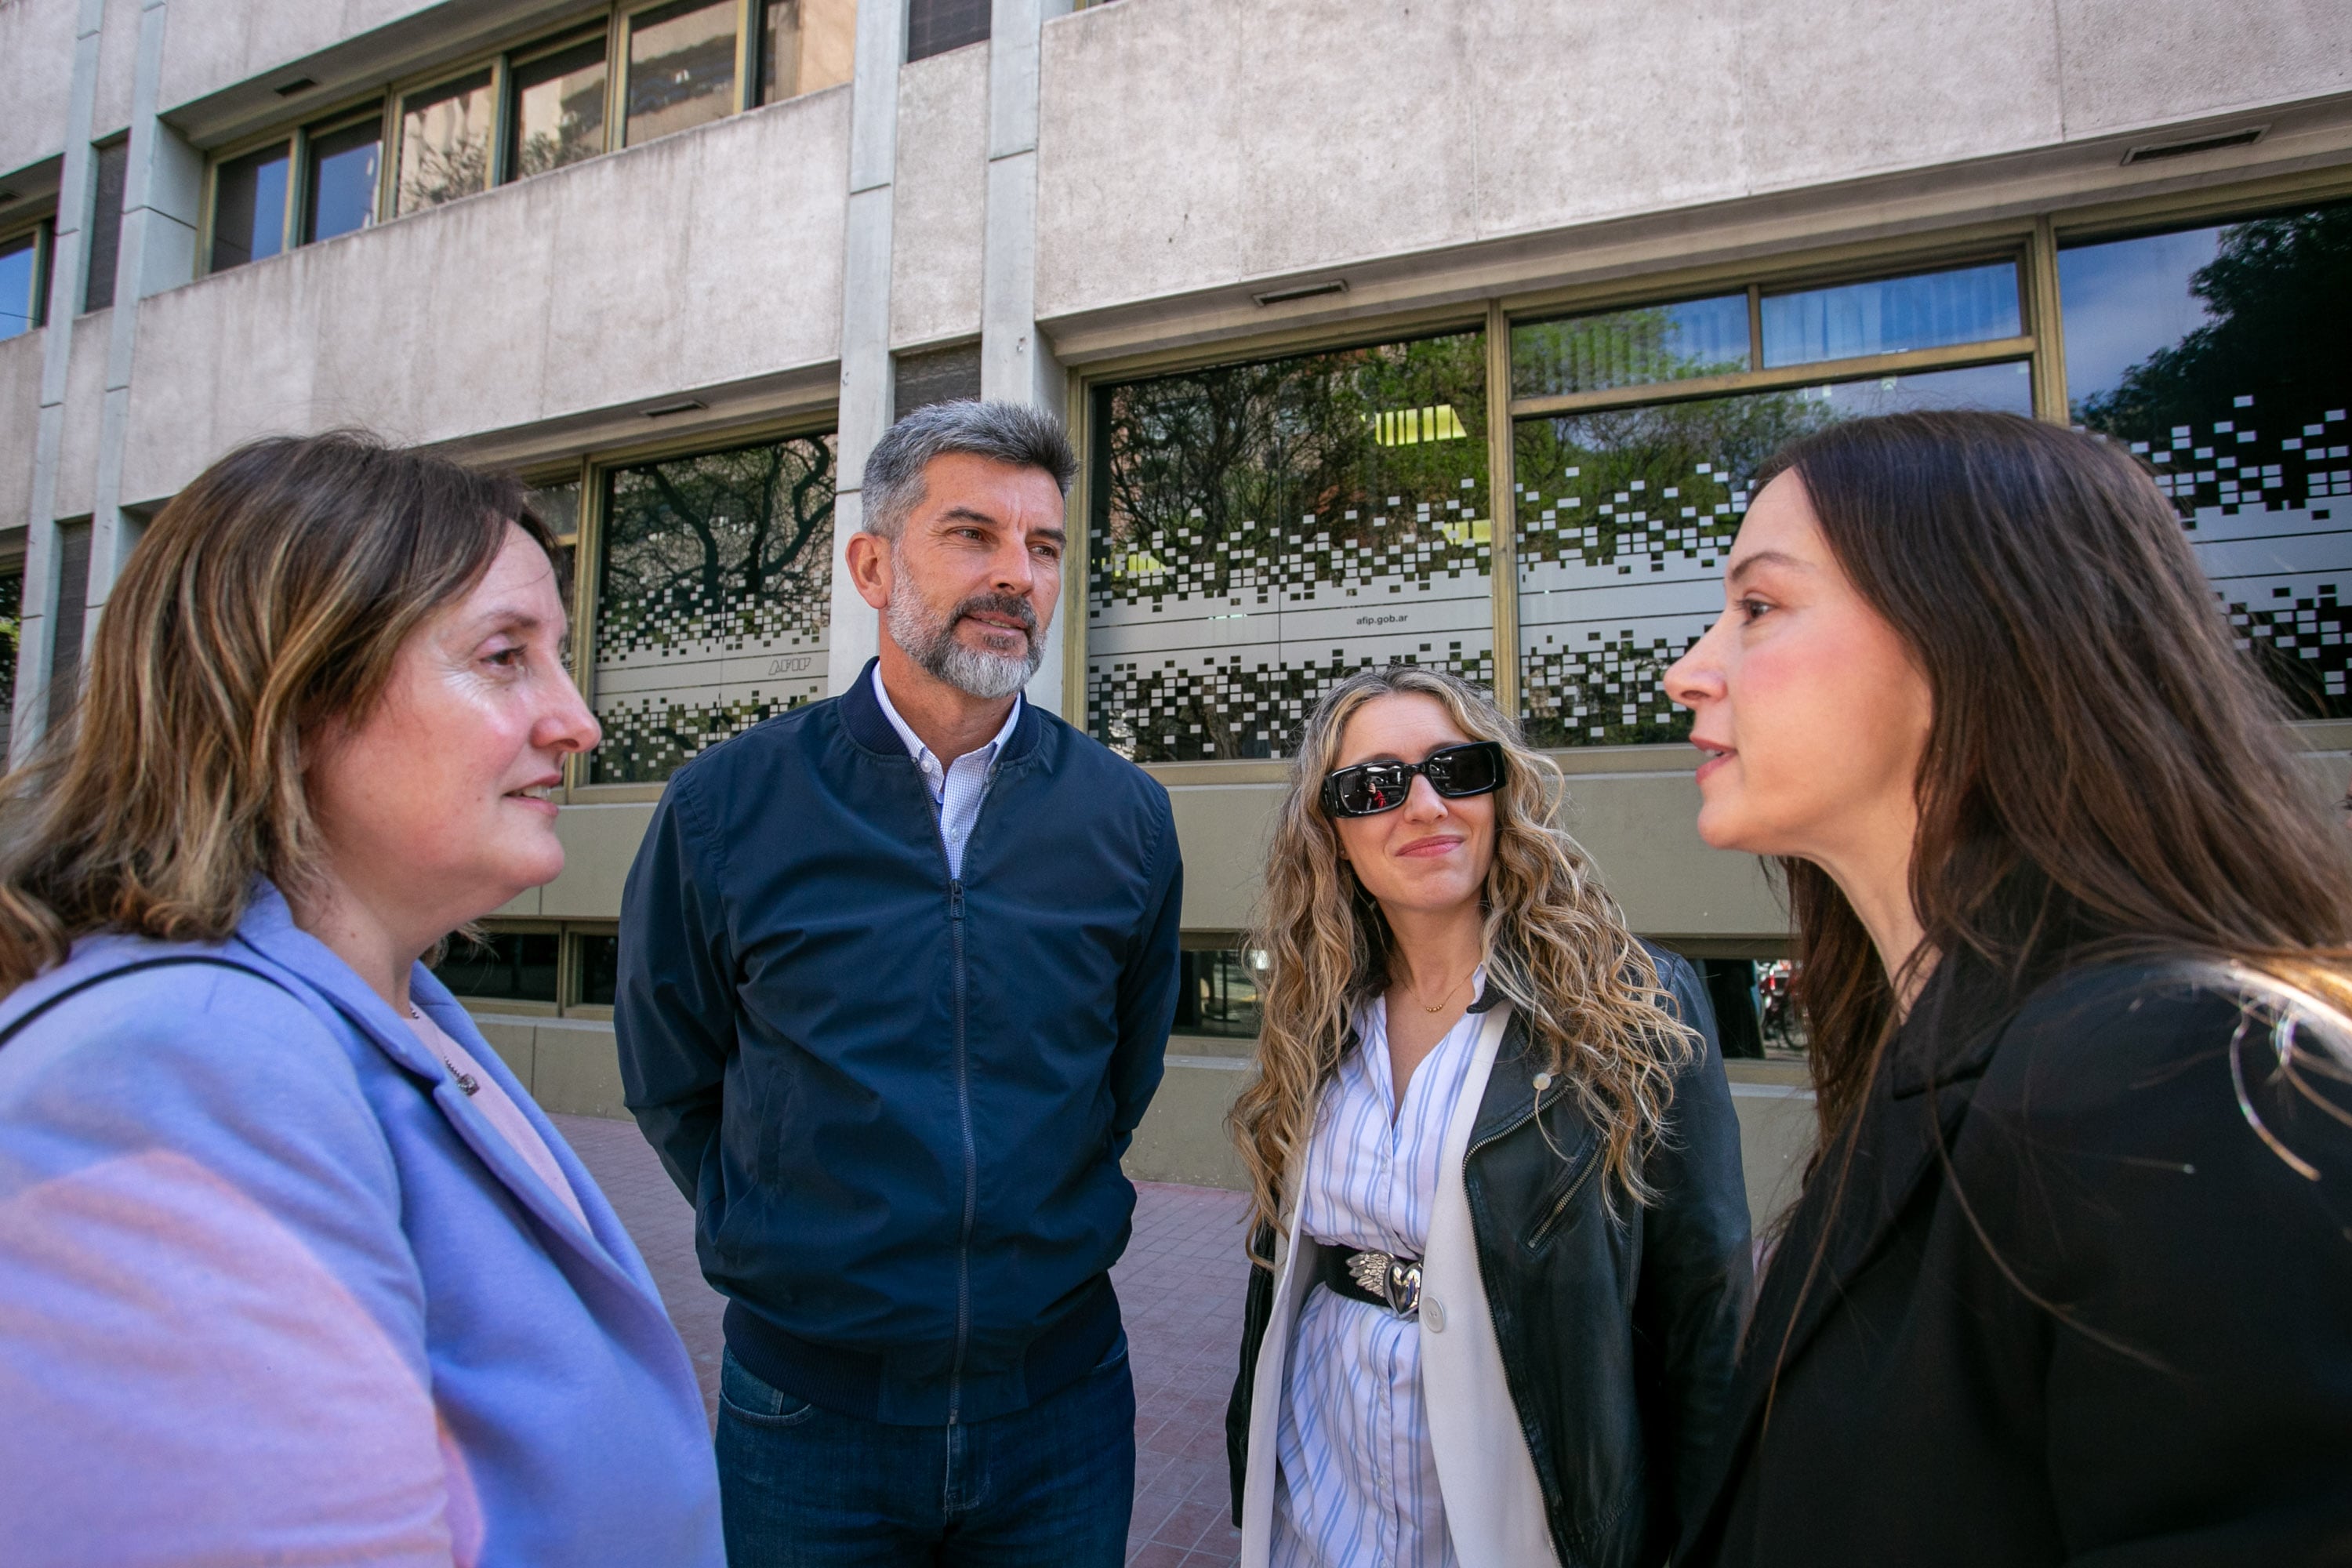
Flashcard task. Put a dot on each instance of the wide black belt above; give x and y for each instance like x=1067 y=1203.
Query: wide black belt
x=1377 y=1278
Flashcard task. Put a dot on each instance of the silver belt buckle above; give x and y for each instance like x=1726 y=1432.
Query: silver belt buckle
x=1390 y=1279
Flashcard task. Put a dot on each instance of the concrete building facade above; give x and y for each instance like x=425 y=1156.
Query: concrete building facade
x=1443 y=333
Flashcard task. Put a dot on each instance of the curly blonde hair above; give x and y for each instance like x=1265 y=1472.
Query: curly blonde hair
x=1557 y=948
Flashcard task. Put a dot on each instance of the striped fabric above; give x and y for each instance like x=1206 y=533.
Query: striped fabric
x=1357 y=1481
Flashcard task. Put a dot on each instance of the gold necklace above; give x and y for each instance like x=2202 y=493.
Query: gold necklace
x=1444 y=999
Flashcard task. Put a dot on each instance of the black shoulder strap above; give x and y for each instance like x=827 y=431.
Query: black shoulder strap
x=79 y=987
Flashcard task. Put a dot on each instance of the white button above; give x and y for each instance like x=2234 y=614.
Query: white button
x=1543 y=1081
x=1432 y=1312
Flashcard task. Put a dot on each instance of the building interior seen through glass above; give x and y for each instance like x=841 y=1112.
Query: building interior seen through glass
x=714 y=591
x=514 y=966
x=2223 y=356
x=1262 y=529
x=1216 y=993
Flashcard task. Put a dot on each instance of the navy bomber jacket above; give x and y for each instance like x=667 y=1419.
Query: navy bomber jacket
x=898 y=1100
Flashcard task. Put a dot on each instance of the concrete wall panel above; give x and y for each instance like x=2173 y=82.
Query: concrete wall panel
x=85 y=410
x=1553 y=137
x=117 y=65
x=1641 y=831
x=2128 y=63
x=599 y=844
x=213 y=43
x=1190 y=144
x=1831 y=89
x=20 y=424
x=705 y=259
x=937 y=197
x=1224 y=829
x=36 y=45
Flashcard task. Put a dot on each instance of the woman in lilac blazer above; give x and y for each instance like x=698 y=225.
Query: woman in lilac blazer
x=291 y=1269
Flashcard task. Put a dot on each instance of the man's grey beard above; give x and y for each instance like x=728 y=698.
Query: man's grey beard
x=931 y=642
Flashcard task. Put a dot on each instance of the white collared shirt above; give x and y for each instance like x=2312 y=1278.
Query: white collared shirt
x=1357 y=1480
x=956 y=790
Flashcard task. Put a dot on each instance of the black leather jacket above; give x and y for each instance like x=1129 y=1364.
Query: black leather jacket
x=1618 y=1335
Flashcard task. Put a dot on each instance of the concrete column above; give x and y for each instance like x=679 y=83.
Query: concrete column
x=866 y=412
x=1016 y=363
x=76 y=193
x=161 y=193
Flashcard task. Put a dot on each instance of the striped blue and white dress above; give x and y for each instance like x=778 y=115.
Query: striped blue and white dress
x=1357 y=1481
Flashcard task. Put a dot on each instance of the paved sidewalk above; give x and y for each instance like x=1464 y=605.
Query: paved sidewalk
x=1179 y=1285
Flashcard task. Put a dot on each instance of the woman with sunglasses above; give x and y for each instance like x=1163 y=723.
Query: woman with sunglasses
x=1500 y=1235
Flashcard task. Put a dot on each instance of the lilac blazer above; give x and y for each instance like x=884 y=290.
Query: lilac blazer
x=273 y=1290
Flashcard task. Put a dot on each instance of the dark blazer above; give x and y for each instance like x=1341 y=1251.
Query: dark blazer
x=898 y=1099
x=1617 y=1332
x=2074 y=1306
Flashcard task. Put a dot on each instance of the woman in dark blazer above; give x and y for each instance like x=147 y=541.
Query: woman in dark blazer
x=2070 y=1277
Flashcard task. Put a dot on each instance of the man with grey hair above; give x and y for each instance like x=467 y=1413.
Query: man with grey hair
x=897 y=975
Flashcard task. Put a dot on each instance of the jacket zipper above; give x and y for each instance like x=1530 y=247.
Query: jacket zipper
x=963 y=1095
x=970 y=1156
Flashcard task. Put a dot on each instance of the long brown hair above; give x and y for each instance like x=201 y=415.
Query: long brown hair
x=265 y=601
x=2104 y=772
x=1557 y=947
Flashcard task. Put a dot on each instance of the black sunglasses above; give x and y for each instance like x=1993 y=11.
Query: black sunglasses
x=1370 y=788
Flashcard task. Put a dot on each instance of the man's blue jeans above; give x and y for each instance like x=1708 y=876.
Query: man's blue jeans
x=1049 y=1486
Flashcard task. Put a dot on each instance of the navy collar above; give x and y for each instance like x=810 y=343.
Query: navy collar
x=862 y=716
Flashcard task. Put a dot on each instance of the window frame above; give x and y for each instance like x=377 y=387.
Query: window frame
x=2032 y=241
x=589 y=470
x=2026 y=241
x=300 y=181
x=612 y=22
x=296 y=139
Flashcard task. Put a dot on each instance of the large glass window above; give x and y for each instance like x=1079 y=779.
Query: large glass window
x=806 y=44
x=557 y=110
x=249 y=208
x=714 y=594
x=1260 y=532
x=445 y=143
x=2219 y=354
x=338 y=184
x=23 y=258
x=1629 y=491
x=681 y=67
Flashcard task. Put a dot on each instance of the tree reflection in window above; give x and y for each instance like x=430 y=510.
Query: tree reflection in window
x=713 y=599
x=1262 y=530
x=2218 y=354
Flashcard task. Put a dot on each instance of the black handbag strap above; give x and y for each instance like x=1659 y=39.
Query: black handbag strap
x=79 y=987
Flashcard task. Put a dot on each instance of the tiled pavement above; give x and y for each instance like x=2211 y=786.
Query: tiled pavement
x=1180 y=1285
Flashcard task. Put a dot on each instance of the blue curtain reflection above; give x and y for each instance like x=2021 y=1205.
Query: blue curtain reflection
x=1891 y=315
